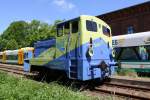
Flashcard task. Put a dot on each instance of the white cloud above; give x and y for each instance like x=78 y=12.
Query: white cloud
x=64 y=4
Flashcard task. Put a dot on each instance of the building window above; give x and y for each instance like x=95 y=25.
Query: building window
x=130 y=30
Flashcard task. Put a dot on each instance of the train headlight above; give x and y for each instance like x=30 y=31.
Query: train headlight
x=113 y=53
x=90 y=51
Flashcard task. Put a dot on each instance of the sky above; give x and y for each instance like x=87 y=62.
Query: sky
x=51 y=10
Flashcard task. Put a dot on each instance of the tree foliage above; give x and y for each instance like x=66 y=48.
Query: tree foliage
x=23 y=34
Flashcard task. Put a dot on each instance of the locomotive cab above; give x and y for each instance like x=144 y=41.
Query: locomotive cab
x=96 y=48
x=84 y=48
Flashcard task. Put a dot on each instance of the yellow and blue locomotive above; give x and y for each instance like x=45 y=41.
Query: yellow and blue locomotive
x=82 y=49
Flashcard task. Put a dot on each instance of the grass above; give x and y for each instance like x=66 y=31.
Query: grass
x=126 y=72
x=20 y=88
x=13 y=88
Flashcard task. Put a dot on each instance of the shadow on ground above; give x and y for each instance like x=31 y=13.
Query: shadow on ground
x=48 y=76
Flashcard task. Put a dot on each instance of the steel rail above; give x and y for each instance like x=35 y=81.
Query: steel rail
x=15 y=70
x=137 y=87
x=122 y=94
x=130 y=88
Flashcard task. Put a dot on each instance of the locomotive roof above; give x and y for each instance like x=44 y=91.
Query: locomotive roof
x=66 y=21
x=84 y=16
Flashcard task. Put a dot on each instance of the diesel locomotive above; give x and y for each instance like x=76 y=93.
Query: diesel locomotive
x=82 y=49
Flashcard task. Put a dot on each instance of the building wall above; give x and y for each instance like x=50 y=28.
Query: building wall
x=136 y=17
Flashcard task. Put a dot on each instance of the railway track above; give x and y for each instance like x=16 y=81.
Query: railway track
x=15 y=70
x=121 y=87
x=126 y=90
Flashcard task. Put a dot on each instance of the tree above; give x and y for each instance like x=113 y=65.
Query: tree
x=3 y=43
x=23 y=34
x=12 y=44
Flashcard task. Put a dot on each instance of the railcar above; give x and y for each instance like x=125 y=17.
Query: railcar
x=11 y=57
x=1 y=57
x=82 y=49
x=133 y=51
x=17 y=56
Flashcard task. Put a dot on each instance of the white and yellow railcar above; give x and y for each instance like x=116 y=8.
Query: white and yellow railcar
x=25 y=53
x=11 y=56
x=17 y=56
x=133 y=51
x=1 y=57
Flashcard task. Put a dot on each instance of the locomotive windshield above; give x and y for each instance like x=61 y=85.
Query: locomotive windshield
x=75 y=27
x=106 y=31
x=91 y=26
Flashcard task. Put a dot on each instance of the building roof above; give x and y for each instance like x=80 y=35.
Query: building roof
x=131 y=7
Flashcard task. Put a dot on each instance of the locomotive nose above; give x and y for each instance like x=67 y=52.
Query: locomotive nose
x=103 y=66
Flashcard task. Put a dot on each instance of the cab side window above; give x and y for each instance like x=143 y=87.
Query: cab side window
x=59 y=30
x=75 y=27
x=66 y=28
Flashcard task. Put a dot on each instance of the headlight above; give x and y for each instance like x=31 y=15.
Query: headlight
x=90 y=51
x=113 y=53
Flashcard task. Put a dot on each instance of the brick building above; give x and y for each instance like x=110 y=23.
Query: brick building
x=128 y=20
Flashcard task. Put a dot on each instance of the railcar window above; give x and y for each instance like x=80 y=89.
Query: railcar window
x=25 y=55
x=12 y=57
x=1 y=56
x=91 y=26
x=128 y=54
x=138 y=53
x=75 y=27
x=106 y=31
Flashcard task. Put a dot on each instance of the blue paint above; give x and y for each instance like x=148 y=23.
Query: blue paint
x=41 y=46
x=27 y=66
